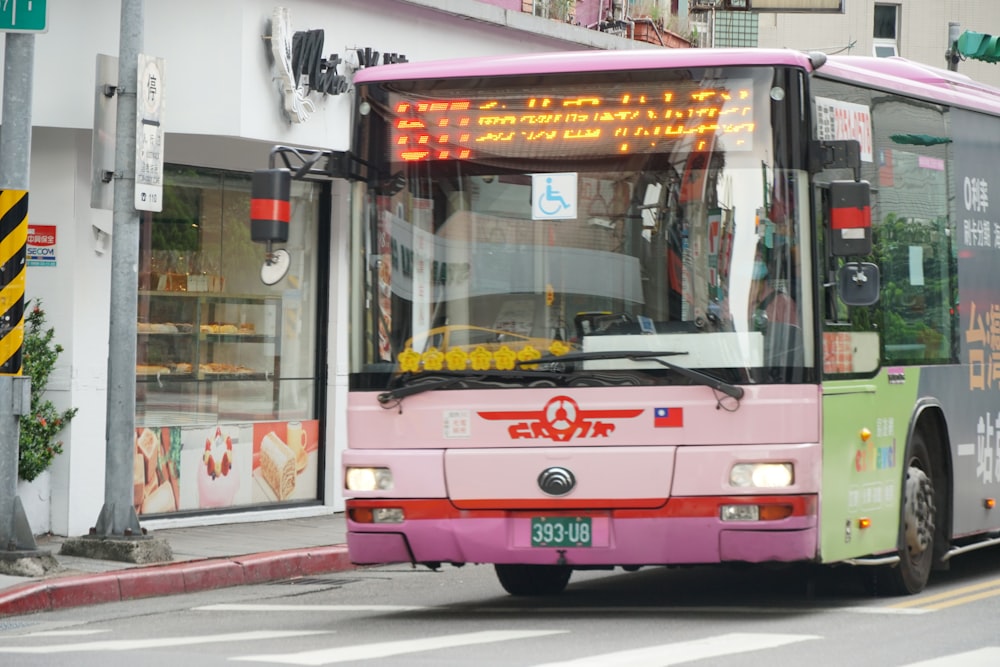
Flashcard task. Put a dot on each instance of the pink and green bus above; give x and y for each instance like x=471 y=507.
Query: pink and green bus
x=673 y=307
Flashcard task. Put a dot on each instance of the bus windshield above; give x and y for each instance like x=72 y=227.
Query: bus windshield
x=513 y=218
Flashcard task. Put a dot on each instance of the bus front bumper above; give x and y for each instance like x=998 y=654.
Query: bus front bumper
x=684 y=531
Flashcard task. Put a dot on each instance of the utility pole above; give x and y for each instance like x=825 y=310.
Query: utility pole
x=117 y=534
x=951 y=55
x=118 y=517
x=16 y=538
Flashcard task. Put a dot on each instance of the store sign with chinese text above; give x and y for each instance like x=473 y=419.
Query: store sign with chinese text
x=41 y=249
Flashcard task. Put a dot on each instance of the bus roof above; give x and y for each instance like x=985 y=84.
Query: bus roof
x=890 y=74
x=559 y=62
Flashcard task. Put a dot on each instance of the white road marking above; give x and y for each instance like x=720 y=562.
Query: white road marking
x=65 y=633
x=161 y=642
x=330 y=656
x=967 y=449
x=307 y=607
x=680 y=652
x=983 y=657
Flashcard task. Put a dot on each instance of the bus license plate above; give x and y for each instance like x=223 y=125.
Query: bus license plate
x=560 y=531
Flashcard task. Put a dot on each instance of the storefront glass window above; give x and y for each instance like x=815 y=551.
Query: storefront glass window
x=226 y=366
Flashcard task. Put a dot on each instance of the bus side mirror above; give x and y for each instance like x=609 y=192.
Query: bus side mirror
x=850 y=218
x=858 y=283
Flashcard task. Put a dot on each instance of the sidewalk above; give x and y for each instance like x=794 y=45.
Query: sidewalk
x=204 y=557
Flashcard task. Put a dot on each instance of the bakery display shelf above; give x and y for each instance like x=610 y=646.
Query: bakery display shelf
x=216 y=297
x=250 y=377
x=235 y=338
x=161 y=376
x=203 y=376
x=160 y=418
x=214 y=331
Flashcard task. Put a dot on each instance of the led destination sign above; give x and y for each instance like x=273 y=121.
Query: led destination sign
x=564 y=122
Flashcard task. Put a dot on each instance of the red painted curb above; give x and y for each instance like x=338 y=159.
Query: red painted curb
x=144 y=583
x=271 y=566
x=206 y=574
x=171 y=579
x=25 y=599
x=85 y=590
x=275 y=565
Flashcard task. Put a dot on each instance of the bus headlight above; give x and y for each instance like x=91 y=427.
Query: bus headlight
x=763 y=475
x=368 y=479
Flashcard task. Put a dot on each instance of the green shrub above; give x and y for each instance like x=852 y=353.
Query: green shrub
x=38 y=444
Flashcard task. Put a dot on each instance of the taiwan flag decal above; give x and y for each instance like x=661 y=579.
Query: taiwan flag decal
x=666 y=417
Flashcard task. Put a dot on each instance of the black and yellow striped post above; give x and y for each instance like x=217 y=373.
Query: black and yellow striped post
x=13 y=249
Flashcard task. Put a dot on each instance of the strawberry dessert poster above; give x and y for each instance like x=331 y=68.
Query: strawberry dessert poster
x=184 y=468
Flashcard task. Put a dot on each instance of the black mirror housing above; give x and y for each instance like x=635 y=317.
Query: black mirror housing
x=850 y=218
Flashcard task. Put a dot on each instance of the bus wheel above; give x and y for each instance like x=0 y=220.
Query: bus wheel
x=916 y=554
x=533 y=579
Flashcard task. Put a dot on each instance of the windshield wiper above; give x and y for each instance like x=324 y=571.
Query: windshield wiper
x=696 y=376
x=419 y=383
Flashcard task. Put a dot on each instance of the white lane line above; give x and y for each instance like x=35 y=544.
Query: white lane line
x=65 y=633
x=680 y=652
x=330 y=656
x=889 y=611
x=983 y=657
x=308 y=607
x=161 y=642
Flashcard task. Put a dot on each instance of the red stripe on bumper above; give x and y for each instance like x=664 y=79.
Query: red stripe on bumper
x=687 y=507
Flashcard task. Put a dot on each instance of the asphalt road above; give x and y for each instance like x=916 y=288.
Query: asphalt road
x=395 y=616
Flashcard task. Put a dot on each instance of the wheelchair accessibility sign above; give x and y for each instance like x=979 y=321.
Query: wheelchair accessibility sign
x=553 y=196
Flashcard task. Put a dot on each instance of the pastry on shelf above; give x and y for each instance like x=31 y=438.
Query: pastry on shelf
x=215 y=368
x=152 y=369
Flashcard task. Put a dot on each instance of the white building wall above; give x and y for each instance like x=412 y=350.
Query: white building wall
x=74 y=294
x=922 y=36
x=221 y=110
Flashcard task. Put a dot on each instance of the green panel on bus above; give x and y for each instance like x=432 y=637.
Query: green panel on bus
x=865 y=426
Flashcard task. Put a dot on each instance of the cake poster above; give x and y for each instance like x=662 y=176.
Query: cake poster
x=225 y=465
x=156 y=470
x=285 y=461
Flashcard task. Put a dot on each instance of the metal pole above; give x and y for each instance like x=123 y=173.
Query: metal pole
x=15 y=139
x=16 y=537
x=15 y=152
x=951 y=55
x=118 y=517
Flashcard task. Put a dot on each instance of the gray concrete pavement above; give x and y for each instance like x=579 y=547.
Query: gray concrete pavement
x=206 y=556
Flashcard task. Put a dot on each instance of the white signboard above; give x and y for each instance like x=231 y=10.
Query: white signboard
x=553 y=196
x=839 y=120
x=149 y=135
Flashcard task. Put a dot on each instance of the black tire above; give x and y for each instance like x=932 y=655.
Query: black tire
x=916 y=547
x=533 y=580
